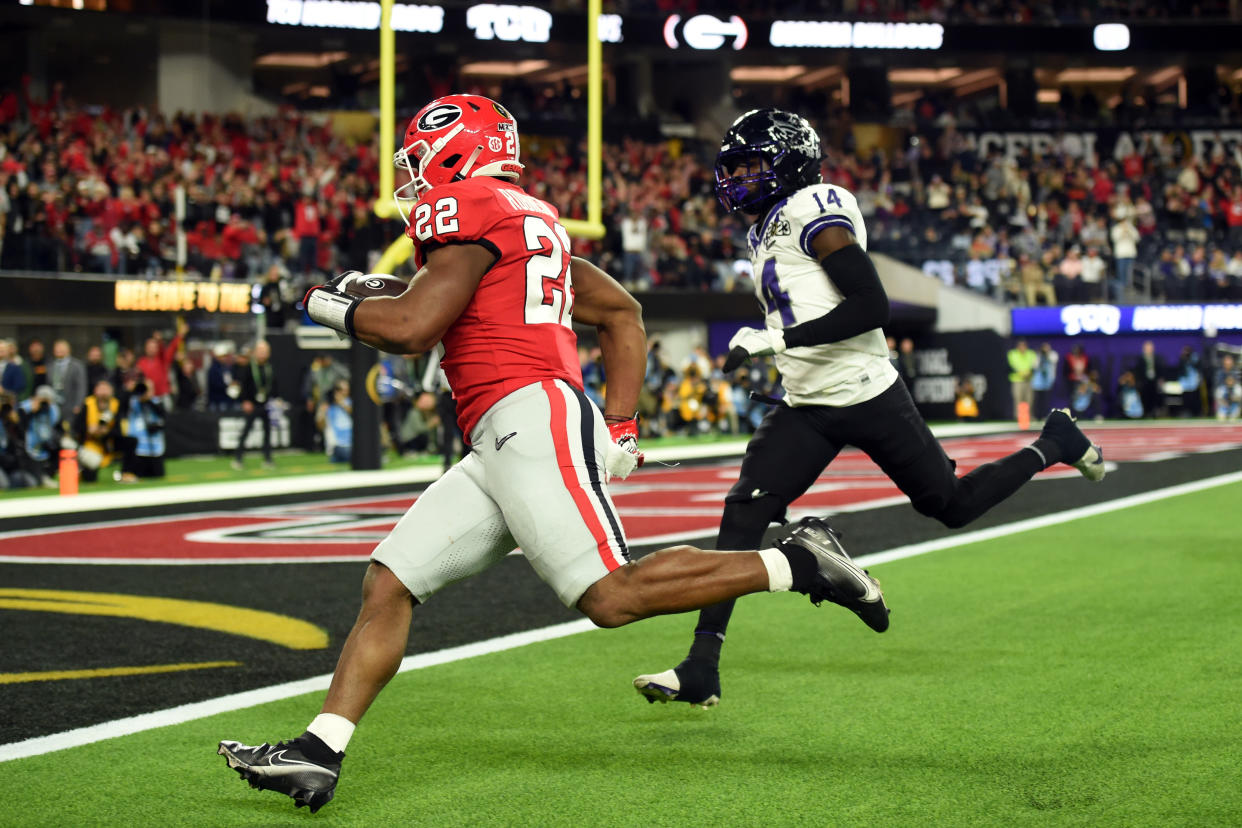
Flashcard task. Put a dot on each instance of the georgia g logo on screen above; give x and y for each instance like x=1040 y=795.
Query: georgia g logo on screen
x=438 y=117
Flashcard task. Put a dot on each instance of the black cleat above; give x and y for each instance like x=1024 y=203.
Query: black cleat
x=692 y=681
x=839 y=579
x=286 y=769
x=1076 y=449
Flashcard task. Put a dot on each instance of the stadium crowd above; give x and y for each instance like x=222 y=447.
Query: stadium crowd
x=284 y=196
x=283 y=199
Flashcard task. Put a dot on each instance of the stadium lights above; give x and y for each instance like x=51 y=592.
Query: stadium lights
x=827 y=34
x=922 y=77
x=765 y=74
x=1111 y=37
x=300 y=60
x=1096 y=74
x=504 y=68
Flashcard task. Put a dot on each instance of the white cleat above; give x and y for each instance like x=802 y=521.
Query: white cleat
x=1062 y=428
x=666 y=687
x=1091 y=464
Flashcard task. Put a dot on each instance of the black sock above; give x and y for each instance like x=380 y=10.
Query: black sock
x=802 y=564
x=1049 y=449
x=317 y=750
x=706 y=646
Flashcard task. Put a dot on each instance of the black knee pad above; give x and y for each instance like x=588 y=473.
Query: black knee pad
x=954 y=518
x=943 y=509
x=931 y=505
x=747 y=518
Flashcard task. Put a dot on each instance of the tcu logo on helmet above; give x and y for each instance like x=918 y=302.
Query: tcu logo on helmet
x=438 y=117
x=789 y=128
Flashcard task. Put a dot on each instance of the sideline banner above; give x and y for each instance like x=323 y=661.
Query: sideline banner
x=943 y=359
x=1109 y=320
x=1111 y=142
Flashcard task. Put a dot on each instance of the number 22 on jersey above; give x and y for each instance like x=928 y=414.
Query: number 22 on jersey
x=549 y=292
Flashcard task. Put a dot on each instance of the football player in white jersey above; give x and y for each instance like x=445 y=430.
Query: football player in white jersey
x=824 y=311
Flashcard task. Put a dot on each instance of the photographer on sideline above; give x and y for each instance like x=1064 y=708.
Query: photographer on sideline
x=143 y=445
x=40 y=421
x=98 y=428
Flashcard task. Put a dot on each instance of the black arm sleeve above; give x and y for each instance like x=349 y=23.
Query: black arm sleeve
x=865 y=305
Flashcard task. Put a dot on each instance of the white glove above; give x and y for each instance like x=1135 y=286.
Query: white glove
x=622 y=455
x=753 y=342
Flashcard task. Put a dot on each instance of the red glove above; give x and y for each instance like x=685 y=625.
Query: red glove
x=622 y=456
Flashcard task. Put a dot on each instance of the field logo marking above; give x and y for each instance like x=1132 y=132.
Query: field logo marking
x=109 y=672
x=264 y=626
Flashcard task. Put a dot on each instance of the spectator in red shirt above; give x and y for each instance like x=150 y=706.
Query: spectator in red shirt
x=157 y=359
x=306 y=229
x=1102 y=186
x=205 y=247
x=1233 y=218
x=1076 y=365
x=235 y=235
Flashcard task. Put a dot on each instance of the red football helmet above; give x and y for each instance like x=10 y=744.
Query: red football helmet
x=453 y=138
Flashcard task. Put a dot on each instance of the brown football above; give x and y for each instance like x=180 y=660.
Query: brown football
x=372 y=284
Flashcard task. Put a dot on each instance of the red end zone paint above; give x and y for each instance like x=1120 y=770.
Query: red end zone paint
x=655 y=505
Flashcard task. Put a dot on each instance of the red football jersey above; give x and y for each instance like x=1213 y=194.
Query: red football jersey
x=517 y=327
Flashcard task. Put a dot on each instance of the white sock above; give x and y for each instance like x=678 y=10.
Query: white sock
x=780 y=577
x=334 y=730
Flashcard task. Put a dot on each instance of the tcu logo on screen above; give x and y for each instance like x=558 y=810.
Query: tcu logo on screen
x=502 y=22
x=438 y=117
x=1105 y=319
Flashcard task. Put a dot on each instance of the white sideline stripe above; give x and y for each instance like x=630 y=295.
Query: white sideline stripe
x=1053 y=519
x=237 y=701
x=346 y=479
x=223 y=490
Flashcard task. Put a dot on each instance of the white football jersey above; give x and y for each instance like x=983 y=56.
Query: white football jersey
x=793 y=288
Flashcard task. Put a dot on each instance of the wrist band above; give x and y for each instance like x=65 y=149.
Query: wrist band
x=332 y=309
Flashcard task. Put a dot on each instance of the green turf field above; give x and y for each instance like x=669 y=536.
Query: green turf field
x=1085 y=674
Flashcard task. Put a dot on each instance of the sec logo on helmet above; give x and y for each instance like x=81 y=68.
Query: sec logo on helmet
x=438 y=117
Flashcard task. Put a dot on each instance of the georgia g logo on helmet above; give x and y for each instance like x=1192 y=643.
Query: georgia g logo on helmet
x=438 y=117
x=451 y=139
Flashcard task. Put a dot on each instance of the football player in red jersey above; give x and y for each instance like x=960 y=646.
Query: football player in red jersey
x=497 y=288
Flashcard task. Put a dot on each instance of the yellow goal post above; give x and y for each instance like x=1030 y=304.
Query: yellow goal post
x=592 y=228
